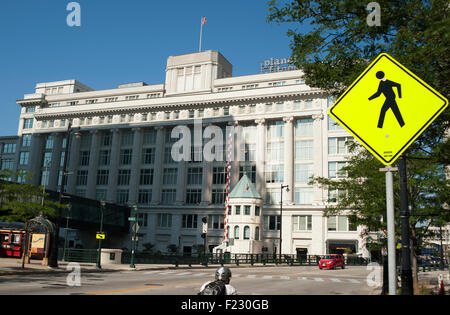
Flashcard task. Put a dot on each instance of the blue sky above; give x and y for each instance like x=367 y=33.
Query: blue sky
x=124 y=41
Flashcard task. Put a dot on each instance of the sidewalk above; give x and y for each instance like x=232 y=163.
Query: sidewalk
x=13 y=266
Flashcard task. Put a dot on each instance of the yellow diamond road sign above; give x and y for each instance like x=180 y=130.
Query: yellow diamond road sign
x=387 y=108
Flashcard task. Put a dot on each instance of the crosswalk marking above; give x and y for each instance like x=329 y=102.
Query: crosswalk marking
x=335 y=280
x=267 y=277
x=302 y=278
x=285 y=277
x=318 y=279
x=251 y=276
x=353 y=281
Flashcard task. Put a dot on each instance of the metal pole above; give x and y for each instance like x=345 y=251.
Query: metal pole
x=281 y=216
x=391 y=231
x=67 y=231
x=407 y=283
x=99 y=265
x=133 y=243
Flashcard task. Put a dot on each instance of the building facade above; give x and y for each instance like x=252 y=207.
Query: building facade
x=122 y=143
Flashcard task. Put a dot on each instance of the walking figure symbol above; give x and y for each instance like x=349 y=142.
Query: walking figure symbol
x=386 y=88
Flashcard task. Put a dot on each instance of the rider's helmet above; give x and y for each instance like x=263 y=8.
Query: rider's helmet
x=223 y=273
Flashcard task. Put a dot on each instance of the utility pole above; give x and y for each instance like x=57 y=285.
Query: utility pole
x=406 y=276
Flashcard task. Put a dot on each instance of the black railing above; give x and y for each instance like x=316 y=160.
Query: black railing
x=234 y=259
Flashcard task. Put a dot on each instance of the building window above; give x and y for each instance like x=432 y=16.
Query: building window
x=9 y=148
x=275 y=174
x=30 y=109
x=127 y=138
x=216 y=222
x=250 y=171
x=247 y=210
x=24 y=158
x=302 y=223
x=168 y=196
x=189 y=221
x=257 y=211
x=304 y=173
x=339 y=145
x=273 y=196
x=142 y=219
x=7 y=164
x=26 y=140
x=164 y=220
x=124 y=177
x=237 y=210
x=28 y=123
x=304 y=128
x=146 y=177
x=333 y=125
x=257 y=233
x=122 y=196
x=126 y=156
x=49 y=143
x=104 y=157
x=149 y=137
x=219 y=175
x=170 y=176
x=335 y=170
x=148 y=156
x=218 y=196
x=84 y=158
x=304 y=195
x=168 y=155
x=304 y=150
x=144 y=196
x=246 y=233
x=335 y=195
x=236 y=232
x=82 y=178
x=195 y=176
x=102 y=177
x=193 y=196
x=272 y=222
x=106 y=140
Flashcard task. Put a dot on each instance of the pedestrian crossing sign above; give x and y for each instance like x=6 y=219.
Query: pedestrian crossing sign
x=387 y=108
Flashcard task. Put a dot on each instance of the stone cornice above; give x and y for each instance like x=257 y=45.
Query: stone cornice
x=176 y=105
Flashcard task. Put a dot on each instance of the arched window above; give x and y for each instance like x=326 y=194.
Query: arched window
x=236 y=232
x=257 y=233
x=246 y=233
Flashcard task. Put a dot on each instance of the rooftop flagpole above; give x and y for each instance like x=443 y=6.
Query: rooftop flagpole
x=203 y=21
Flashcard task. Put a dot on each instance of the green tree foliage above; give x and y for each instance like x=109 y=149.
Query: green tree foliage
x=333 y=44
x=21 y=202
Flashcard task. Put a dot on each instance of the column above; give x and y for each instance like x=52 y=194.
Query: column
x=114 y=166
x=93 y=164
x=237 y=141
x=318 y=155
x=261 y=156
x=289 y=159
x=207 y=182
x=181 y=183
x=158 y=170
x=135 y=163
x=56 y=162
x=35 y=163
x=74 y=156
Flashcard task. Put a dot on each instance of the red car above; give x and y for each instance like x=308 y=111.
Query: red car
x=332 y=261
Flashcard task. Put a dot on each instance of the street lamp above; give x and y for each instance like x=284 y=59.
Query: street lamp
x=69 y=208
x=133 y=241
x=54 y=252
x=102 y=206
x=281 y=210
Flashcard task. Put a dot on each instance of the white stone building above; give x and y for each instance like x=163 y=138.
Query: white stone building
x=122 y=152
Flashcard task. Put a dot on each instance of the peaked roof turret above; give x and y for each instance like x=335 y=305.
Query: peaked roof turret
x=245 y=189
